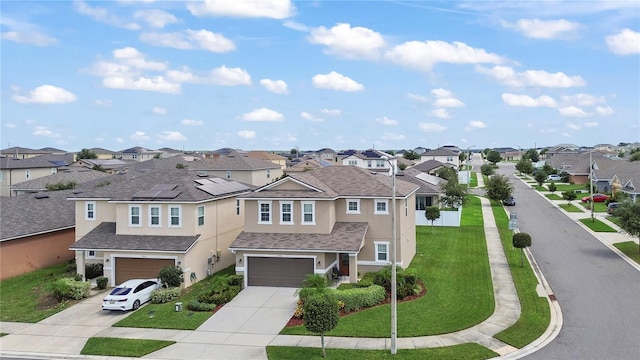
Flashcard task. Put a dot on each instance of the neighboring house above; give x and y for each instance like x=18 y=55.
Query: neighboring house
x=326 y=154
x=605 y=169
x=576 y=164
x=307 y=165
x=239 y=167
x=370 y=159
x=103 y=154
x=36 y=231
x=143 y=221
x=430 y=188
x=315 y=221
x=442 y=155
x=431 y=167
x=16 y=170
x=169 y=152
x=139 y=154
x=110 y=166
x=172 y=162
x=628 y=183
x=17 y=152
x=269 y=156
x=511 y=155
x=76 y=175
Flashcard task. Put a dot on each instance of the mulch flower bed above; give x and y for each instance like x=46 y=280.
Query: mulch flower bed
x=294 y=321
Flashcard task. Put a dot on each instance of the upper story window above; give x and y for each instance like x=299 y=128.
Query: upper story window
x=353 y=162
x=90 y=210
x=200 y=215
x=134 y=215
x=268 y=173
x=380 y=163
x=264 y=212
x=134 y=156
x=382 y=251
x=308 y=213
x=369 y=163
x=449 y=158
x=381 y=206
x=54 y=170
x=27 y=173
x=228 y=174
x=286 y=212
x=237 y=206
x=353 y=206
x=175 y=216
x=154 y=216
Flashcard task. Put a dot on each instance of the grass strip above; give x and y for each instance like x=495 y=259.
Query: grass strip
x=468 y=351
x=122 y=347
x=535 y=313
x=164 y=316
x=597 y=225
x=597 y=207
x=630 y=249
x=553 y=197
x=614 y=219
x=453 y=263
x=474 y=180
x=570 y=208
x=540 y=188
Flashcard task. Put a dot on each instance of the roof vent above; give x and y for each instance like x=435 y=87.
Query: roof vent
x=41 y=196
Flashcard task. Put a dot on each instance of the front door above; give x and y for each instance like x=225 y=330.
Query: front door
x=344 y=264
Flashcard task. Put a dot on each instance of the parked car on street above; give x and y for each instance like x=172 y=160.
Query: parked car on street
x=596 y=198
x=130 y=294
x=554 y=177
x=611 y=208
x=509 y=202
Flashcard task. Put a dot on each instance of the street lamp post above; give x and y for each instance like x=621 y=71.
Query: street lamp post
x=394 y=290
x=469 y=164
x=591 y=183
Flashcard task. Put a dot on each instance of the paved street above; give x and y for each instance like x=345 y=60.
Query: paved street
x=598 y=292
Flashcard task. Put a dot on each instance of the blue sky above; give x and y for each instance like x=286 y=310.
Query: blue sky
x=201 y=75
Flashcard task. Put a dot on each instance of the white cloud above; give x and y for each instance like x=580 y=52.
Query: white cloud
x=263 y=114
x=102 y=103
x=336 y=81
x=190 y=39
x=247 y=134
x=44 y=131
x=331 y=112
x=275 y=86
x=544 y=29
x=273 y=9
x=104 y=15
x=25 y=33
x=604 y=110
x=119 y=140
x=418 y=98
x=431 y=127
x=441 y=93
x=537 y=78
x=424 y=55
x=134 y=58
x=191 y=122
x=451 y=102
x=386 y=121
x=155 y=18
x=309 y=117
x=222 y=76
x=583 y=99
x=475 y=124
x=573 y=126
x=159 y=110
x=139 y=136
x=172 y=136
x=393 y=136
x=155 y=83
x=566 y=134
x=351 y=43
x=10 y=126
x=528 y=101
x=441 y=113
x=295 y=26
x=572 y=111
x=47 y=94
x=591 y=124
x=626 y=42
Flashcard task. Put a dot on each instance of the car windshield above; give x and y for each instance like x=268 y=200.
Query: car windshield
x=120 y=291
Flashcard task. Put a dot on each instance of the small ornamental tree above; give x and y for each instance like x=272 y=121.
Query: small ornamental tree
x=552 y=187
x=521 y=241
x=499 y=188
x=432 y=213
x=321 y=314
x=629 y=216
x=524 y=166
x=494 y=157
x=569 y=196
x=171 y=276
x=86 y=154
x=540 y=177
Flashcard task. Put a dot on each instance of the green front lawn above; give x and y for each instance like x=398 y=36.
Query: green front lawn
x=597 y=225
x=613 y=219
x=122 y=347
x=540 y=188
x=26 y=298
x=453 y=264
x=474 y=180
x=553 y=197
x=468 y=351
x=570 y=208
x=570 y=187
x=598 y=207
x=535 y=313
x=630 y=249
x=164 y=316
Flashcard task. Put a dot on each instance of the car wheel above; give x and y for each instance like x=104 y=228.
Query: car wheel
x=136 y=305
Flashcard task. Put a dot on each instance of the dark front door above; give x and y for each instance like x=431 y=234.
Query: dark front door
x=344 y=264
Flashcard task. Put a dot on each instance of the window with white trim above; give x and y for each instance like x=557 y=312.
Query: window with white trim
x=369 y=163
x=89 y=254
x=27 y=173
x=237 y=206
x=268 y=173
x=308 y=213
x=382 y=250
x=286 y=212
x=155 y=216
x=175 y=217
x=54 y=170
x=381 y=206
x=134 y=215
x=353 y=206
x=380 y=163
x=228 y=174
x=352 y=162
x=449 y=158
x=201 y=215
x=264 y=212
x=90 y=210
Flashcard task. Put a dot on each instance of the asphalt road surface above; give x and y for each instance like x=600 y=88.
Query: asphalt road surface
x=598 y=292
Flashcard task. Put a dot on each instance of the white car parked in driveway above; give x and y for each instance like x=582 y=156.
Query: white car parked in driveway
x=554 y=177
x=130 y=294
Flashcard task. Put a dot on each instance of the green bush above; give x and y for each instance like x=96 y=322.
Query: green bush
x=164 y=295
x=69 y=288
x=223 y=290
x=406 y=281
x=92 y=271
x=71 y=267
x=235 y=280
x=101 y=282
x=171 y=276
x=360 y=298
x=195 y=305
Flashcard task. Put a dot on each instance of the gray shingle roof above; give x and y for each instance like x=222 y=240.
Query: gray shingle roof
x=344 y=237
x=425 y=188
x=104 y=237
x=76 y=174
x=233 y=161
x=429 y=165
x=42 y=161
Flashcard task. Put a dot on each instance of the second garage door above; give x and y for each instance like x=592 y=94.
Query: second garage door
x=135 y=268
x=282 y=272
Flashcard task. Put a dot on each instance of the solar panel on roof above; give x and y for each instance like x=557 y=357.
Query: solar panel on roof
x=221 y=188
x=164 y=187
x=144 y=194
x=165 y=194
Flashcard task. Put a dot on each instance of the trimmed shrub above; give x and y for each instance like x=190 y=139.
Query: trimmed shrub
x=101 y=282
x=235 y=280
x=222 y=291
x=92 y=271
x=171 y=276
x=69 y=288
x=406 y=281
x=360 y=298
x=195 y=305
x=161 y=296
x=71 y=267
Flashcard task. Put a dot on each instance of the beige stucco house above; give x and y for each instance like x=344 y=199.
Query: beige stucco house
x=239 y=167
x=315 y=221
x=17 y=170
x=142 y=221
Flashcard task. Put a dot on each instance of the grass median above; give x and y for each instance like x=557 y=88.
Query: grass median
x=630 y=249
x=122 y=347
x=597 y=225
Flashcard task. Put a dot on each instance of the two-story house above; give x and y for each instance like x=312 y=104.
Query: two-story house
x=315 y=221
x=240 y=167
x=443 y=155
x=370 y=159
x=17 y=170
x=141 y=221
